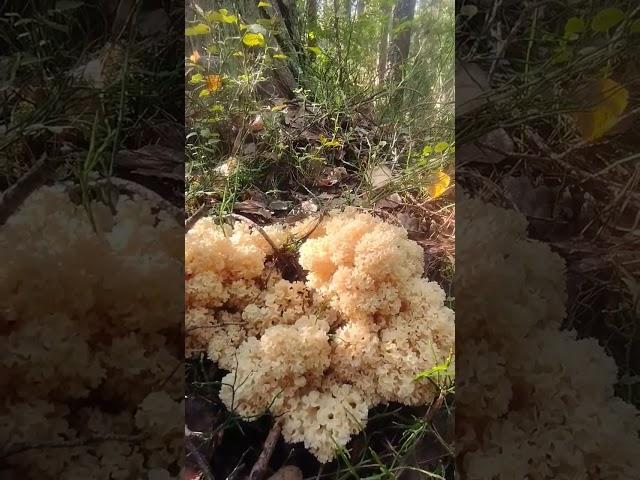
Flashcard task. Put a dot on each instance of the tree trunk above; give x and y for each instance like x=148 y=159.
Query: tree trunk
x=289 y=39
x=312 y=14
x=404 y=12
x=360 y=8
x=383 y=49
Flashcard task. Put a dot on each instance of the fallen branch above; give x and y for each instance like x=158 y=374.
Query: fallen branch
x=202 y=463
x=259 y=469
x=17 y=193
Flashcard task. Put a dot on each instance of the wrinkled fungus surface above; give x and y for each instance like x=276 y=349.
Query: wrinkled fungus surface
x=533 y=400
x=320 y=351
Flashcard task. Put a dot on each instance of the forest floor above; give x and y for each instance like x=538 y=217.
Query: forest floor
x=531 y=137
x=399 y=441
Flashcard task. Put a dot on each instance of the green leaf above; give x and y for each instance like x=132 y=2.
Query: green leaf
x=212 y=49
x=280 y=56
x=440 y=147
x=606 y=19
x=197 y=78
x=253 y=40
x=229 y=18
x=315 y=50
x=562 y=55
x=427 y=150
x=635 y=26
x=573 y=28
x=200 y=29
x=264 y=4
x=204 y=93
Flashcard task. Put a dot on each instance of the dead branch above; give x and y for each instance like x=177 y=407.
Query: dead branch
x=259 y=469
x=17 y=193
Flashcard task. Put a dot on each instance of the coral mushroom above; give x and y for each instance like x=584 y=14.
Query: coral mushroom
x=533 y=401
x=89 y=319
x=316 y=352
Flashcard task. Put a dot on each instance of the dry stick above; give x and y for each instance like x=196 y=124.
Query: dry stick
x=191 y=221
x=15 y=195
x=202 y=463
x=260 y=467
x=258 y=228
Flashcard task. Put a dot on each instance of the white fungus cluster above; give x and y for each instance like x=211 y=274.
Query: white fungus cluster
x=88 y=317
x=533 y=401
x=316 y=352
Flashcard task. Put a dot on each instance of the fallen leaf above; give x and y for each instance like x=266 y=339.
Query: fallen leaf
x=491 y=148
x=280 y=205
x=471 y=83
x=214 y=82
x=253 y=207
x=195 y=57
x=438 y=185
x=228 y=167
x=380 y=176
x=309 y=206
x=257 y=124
x=609 y=100
x=331 y=176
x=289 y=472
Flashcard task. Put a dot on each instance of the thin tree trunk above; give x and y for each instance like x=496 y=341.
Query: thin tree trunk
x=360 y=8
x=404 y=12
x=383 y=48
x=312 y=14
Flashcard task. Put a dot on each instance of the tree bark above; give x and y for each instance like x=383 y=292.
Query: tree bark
x=312 y=14
x=404 y=12
x=383 y=49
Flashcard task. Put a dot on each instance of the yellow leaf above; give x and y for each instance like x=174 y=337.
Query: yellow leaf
x=439 y=185
x=197 y=78
x=427 y=150
x=204 y=93
x=280 y=56
x=264 y=4
x=440 y=147
x=253 y=39
x=214 y=82
x=195 y=57
x=200 y=29
x=609 y=100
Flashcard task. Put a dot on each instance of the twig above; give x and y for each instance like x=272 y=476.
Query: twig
x=258 y=228
x=260 y=467
x=434 y=408
x=191 y=221
x=202 y=463
x=17 y=193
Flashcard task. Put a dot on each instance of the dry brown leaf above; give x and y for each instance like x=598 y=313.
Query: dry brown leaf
x=289 y=472
x=471 y=83
x=380 y=176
